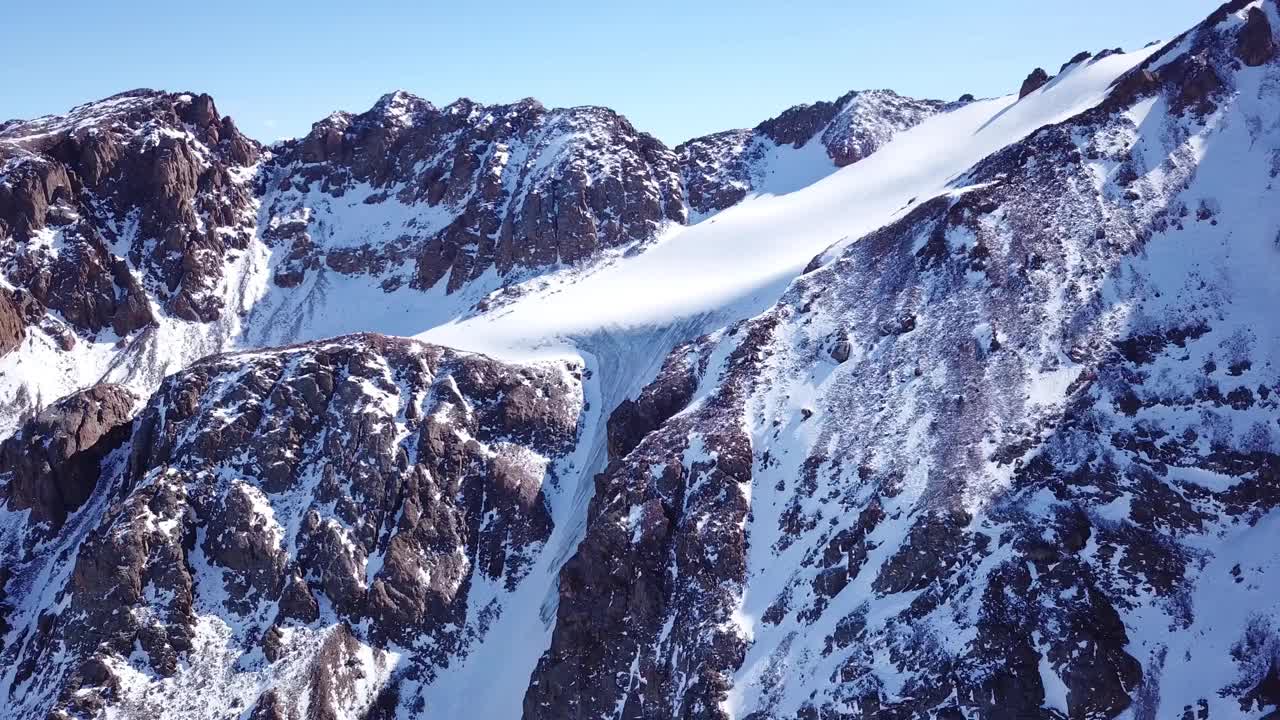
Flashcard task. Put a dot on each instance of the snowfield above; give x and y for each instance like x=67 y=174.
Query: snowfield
x=737 y=263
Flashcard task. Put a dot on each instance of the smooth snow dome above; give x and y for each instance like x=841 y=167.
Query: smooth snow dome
x=736 y=263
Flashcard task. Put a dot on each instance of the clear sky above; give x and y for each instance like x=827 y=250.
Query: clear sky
x=676 y=68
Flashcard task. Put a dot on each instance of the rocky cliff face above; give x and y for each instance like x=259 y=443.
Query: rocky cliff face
x=52 y=463
x=448 y=195
x=123 y=209
x=126 y=230
x=144 y=231
x=326 y=522
x=719 y=170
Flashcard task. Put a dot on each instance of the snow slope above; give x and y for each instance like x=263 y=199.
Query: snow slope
x=737 y=263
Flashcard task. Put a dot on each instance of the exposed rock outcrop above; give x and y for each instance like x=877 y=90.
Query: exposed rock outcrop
x=142 y=189
x=1036 y=80
x=1256 y=45
x=667 y=395
x=12 y=328
x=51 y=467
x=665 y=540
x=1076 y=59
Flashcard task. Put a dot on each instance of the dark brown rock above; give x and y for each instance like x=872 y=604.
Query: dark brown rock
x=1255 y=44
x=797 y=125
x=609 y=186
x=1132 y=86
x=935 y=546
x=12 y=328
x=1197 y=84
x=138 y=553
x=273 y=644
x=1036 y=80
x=841 y=348
x=664 y=541
x=282 y=478
x=55 y=456
x=133 y=312
x=718 y=170
x=661 y=399
x=297 y=602
x=269 y=706
x=1077 y=58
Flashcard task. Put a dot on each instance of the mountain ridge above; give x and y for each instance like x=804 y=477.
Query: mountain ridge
x=170 y=217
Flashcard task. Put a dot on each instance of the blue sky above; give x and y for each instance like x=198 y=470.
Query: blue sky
x=677 y=69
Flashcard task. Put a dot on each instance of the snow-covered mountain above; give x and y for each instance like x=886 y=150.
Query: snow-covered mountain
x=145 y=231
x=128 y=231
x=982 y=425
x=464 y=191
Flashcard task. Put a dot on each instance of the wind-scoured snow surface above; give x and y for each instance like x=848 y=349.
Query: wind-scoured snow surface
x=983 y=424
x=738 y=262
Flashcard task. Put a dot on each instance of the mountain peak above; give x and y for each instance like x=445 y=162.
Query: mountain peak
x=400 y=108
